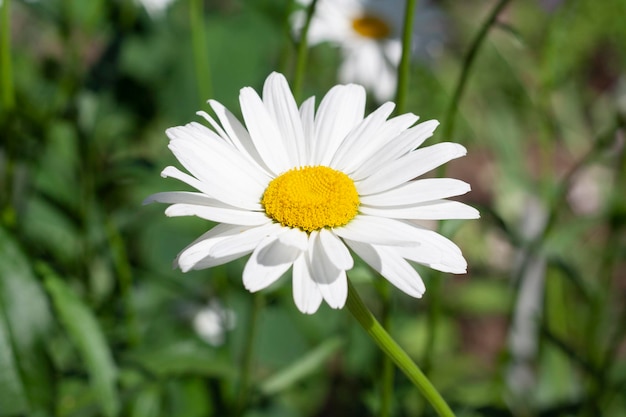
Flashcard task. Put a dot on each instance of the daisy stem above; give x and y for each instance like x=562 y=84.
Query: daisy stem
x=405 y=59
x=373 y=328
x=468 y=61
x=200 y=55
x=302 y=52
x=8 y=94
x=246 y=362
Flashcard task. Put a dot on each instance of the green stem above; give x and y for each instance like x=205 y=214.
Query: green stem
x=468 y=61
x=8 y=93
x=302 y=52
x=373 y=328
x=405 y=59
x=200 y=51
x=246 y=362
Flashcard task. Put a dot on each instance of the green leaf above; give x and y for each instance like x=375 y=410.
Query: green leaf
x=309 y=363
x=184 y=358
x=26 y=384
x=85 y=332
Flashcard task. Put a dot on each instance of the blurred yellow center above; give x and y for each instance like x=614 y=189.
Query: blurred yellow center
x=311 y=198
x=371 y=27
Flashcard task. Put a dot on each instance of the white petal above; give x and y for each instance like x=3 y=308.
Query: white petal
x=264 y=133
x=237 y=133
x=377 y=230
x=362 y=134
x=418 y=191
x=405 y=142
x=267 y=263
x=200 y=248
x=245 y=241
x=173 y=172
x=306 y=295
x=390 y=265
x=307 y=114
x=432 y=210
x=172 y=197
x=282 y=106
x=294 y=237
x=341 y=109
x=381 y=138
x=435 y=251
x=335 y=249
x=409 y=167
x=331 y=281
x=218 y=214
x=229 y=177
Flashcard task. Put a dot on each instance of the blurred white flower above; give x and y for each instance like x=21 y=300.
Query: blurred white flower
x=212 y=322
x=155 y=8
x=369 y=34
x=297 y=188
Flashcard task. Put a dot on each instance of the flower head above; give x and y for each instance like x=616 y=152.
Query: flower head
x=368 y=33
x=298 y=188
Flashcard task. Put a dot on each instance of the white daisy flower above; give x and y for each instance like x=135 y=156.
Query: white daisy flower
x=369 y=33
x=155 y=8
x=299 y=188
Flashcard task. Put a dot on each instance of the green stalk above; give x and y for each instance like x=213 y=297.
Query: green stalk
x=405 y=59
x=302 y=52
x=246 y=362
x=468 y=61
x=373 y=328
x=8 y=92
x=200 y=51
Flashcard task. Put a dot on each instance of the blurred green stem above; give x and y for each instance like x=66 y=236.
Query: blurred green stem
x=405 y=59
x=302 y=52
x=373 y=328
x=246 y=362
x=200 y=50
x=468 y=61
x=8 y=93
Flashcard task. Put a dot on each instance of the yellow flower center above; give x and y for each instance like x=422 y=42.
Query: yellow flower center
x=371 y=27
x=311 y=198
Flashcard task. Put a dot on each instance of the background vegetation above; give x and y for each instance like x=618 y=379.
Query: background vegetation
x=95 y=322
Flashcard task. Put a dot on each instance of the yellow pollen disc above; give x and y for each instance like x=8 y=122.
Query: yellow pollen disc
x=371 y=27
x=311 y=198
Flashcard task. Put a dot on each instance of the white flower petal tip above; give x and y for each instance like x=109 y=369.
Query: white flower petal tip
x=263 y=181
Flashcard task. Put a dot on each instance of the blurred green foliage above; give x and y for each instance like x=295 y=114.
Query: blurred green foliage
x=94 y=321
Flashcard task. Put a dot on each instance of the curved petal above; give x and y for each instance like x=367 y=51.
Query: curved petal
x=269 y=260
x=264 y=133
x=199 y=249
x=390 y=265
x=409 y=167
x=282 y=106
x=418 y=191
x=432 y=210
x=306 y=295
x=335 y=250
x=244 y=241
x=341 y=109
x=173 y=197
x=362 y=134
x=378 y=230
x=384 y=135
x=407 y=141
x=218 y=214
x=307 y=114
x=237 y=133
x=331 y=281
